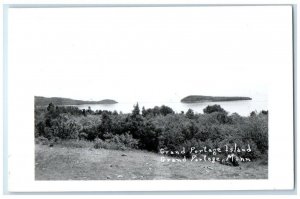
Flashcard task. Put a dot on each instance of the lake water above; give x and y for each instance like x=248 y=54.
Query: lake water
x=243 y=108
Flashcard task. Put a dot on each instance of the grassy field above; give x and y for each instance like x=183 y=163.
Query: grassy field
x=62 y=162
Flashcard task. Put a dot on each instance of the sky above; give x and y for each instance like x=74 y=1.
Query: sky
x=147 y=54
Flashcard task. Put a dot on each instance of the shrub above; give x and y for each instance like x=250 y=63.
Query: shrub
x=122 y=142
x=214 y=108
x=42 y=140
x=241 y=144
x=101 y=144
x=74 y=143
x=256 y=129
x=90 y=127
x=98 y=144
x=190 y=114
x=152 y=129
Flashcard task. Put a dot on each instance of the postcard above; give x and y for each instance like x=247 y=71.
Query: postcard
x=150 y=98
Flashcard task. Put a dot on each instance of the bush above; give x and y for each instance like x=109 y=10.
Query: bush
x=42 y=140
x=117 y=142
x=99 y=144
x=74 y=143
x=256 y=129
x=90 y=127
x=152 y=129
x=214 y=108
x=241 y=144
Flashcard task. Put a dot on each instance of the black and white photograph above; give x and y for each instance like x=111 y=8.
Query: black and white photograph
x=150 y=98
x=151 y=93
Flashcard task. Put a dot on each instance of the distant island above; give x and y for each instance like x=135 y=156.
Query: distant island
x=59 y=101
x=202 y=98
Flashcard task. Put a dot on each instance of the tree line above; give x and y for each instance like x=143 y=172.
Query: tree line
x=154 y=128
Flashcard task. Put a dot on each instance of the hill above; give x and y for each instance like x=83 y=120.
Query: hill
x=44 y=101
x=202 y=98
x=83 y=162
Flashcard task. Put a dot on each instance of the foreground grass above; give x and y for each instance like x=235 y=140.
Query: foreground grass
x=72 y=163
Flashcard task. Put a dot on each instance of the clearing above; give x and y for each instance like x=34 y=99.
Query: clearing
x=69 y=163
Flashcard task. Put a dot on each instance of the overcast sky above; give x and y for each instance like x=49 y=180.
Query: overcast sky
x=148 y=54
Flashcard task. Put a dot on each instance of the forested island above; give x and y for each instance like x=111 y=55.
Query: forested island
x=59 y=101
x=202 y=98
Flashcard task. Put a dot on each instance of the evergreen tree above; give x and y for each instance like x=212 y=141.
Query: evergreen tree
x=136 y=110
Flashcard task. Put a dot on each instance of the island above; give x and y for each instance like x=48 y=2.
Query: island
x=202 y=98
x=59 y=101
